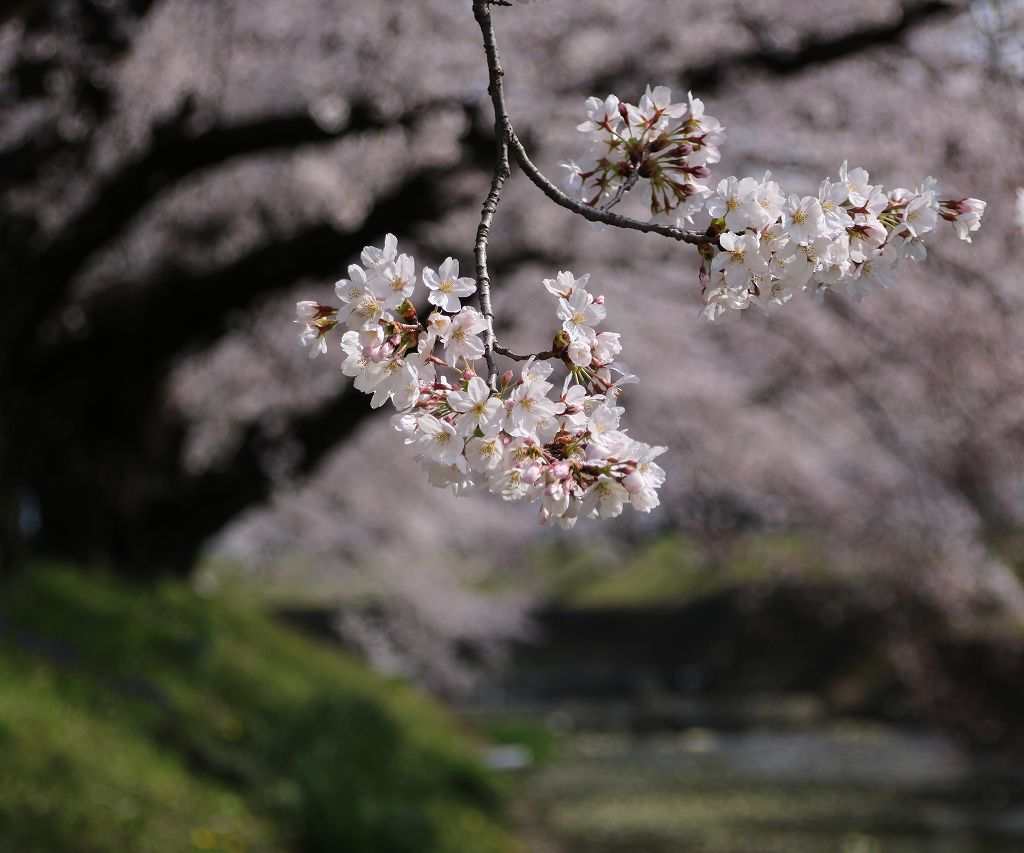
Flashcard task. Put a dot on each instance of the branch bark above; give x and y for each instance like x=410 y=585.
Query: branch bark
x=502 y=171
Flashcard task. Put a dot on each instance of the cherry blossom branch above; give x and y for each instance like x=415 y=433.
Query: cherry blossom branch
x=624 y=188
x=506 y=138
x=502 y=171
x=596 y=214
x=547 y=355
x=503 y=127
x=568 y=454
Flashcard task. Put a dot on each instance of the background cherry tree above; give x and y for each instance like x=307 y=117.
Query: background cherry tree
x=889 y=430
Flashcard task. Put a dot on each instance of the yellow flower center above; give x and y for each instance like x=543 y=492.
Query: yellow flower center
x=369 y=308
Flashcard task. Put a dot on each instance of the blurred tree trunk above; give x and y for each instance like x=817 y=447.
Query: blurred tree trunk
x=91 y=452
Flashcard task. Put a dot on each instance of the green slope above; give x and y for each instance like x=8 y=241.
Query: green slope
x=148 y=718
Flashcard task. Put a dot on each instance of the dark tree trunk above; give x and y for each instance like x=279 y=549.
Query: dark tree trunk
x=91 y=446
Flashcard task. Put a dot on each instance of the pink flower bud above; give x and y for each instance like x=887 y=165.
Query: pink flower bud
x=633 y=483
x=965 y=205
x=531 y=475
x=506 y=378
x=377 y=355
x=560 y=470
x=306 y=310
x=468 y=374
x=599 y=300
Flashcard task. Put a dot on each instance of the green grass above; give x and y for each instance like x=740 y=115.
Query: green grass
x=149 y=718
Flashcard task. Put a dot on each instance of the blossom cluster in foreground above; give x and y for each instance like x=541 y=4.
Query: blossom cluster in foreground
x=555 y=443
x=763 y=245
x=531 y=435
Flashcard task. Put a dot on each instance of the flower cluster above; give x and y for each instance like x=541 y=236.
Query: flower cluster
x=852 y=233
x=769 y=245
x=669 y=145
x=525 y=438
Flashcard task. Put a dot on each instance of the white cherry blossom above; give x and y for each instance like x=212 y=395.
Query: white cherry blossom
x=803 y=218
x=480 y=410
x=580 y=313
x=446 y=287
x=461 y=340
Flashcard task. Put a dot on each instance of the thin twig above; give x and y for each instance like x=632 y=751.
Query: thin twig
x=547 y=355
x=595 y=214
x=501 y=172
x=505 y=139
x=501 y=119
x=624 y=188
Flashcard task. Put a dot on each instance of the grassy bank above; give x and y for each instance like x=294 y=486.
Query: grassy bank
x=672 y=570
x=149 y=718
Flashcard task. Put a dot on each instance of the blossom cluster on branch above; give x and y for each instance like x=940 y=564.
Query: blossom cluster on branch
x=559 y=443
x=524 y=439
x=669 y=146
x=763 y=246
x=851 y=233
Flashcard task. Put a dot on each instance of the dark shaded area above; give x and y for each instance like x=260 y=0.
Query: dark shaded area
x=85 y=434
x=86 y=415
x=813 y=51
x=819 y=51
x=642 y=668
